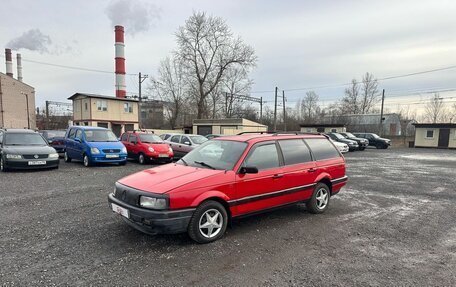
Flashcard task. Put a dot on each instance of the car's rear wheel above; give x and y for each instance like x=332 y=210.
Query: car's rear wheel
x=66 y=157
x=86 y=161
x=3 y=167
x=208 y=222
x=319 y=201
x=141 y=158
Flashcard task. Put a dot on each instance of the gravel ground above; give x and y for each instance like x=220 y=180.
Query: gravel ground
x=393 y=224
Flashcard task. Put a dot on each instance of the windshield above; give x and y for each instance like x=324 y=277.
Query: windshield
x=198 y=139
x=375 y=136
x=55 y=134
x=339 y=136
x=150 y=138
x=350 y=135
x=219 y=154
x=24 y=139
x=100 y=136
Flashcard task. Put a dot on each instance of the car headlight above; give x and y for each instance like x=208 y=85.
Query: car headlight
x=124 y=150
x=153 y=203
x=54 y=155
x=14 y=156
x=151 y=149
x=94 y=150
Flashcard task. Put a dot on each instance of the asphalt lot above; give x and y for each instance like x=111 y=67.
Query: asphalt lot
x=393 y=224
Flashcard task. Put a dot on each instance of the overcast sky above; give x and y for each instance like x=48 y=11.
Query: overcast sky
x=299 y=44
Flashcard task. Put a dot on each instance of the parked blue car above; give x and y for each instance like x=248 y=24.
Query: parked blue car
x=93 y=145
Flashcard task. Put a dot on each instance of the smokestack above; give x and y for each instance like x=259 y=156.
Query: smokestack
x=19 y=67
x=121 y=89
x=9 y=62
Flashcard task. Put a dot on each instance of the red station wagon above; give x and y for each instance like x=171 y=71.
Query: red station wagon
x=146 y=147
x=229 y=177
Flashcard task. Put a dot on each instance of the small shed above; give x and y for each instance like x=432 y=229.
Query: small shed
x=226 y=126
x=323 y=128
x=442 y=135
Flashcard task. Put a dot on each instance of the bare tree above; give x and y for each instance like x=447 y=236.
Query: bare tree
x=207 y=48
x=235 y=82
x=435 y=109
x=369 y=93
x=350 y=101
x=309 y=107
x=170 y=86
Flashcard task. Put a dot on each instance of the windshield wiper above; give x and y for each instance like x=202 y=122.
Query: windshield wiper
x=204 y=164
x=183 y=160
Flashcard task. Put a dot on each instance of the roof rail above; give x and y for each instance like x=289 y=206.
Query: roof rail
x=275 y=133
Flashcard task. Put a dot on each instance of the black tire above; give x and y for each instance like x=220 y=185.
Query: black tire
x=142 y=159
x=86 y=160
x=362 y=148
x=379 y=146
x=314 y=204
x=199 y=215
x=385 y=146
x=66 y=157
x=3 y=168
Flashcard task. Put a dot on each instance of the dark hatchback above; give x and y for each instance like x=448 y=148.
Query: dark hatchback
x=25 y=149
x=55 y=138
x=352 y=145
x=375 y=140
x=363 y=143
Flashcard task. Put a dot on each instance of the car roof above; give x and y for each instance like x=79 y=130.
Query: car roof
x=19 y=131
x=89 y=128
x=259 y=137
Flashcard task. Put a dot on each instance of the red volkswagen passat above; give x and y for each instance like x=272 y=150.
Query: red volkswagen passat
x=229 y=177
x=146 y=147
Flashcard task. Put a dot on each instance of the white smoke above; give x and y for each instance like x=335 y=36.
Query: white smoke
x=137 y=16
x=32 y=40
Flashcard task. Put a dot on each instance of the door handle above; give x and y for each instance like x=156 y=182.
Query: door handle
x=279 y=175
x=312 y=169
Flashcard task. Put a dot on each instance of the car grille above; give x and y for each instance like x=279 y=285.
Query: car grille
x=111 y=150
x=35 y=156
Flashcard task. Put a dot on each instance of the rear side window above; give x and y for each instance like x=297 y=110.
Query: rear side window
x=295 y=151
x=175 y=139
x=322 y=149
x=124 y=137
x=263 y=157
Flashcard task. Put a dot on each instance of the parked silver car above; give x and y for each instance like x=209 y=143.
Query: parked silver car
x=183 y=143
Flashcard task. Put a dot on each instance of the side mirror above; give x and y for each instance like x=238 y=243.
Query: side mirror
x=248 y=169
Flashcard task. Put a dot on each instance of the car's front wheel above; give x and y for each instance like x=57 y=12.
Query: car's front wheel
x=208 y=222
x=66 y=157
x=3 y=167
x=86 y=161
x=141 y=159
x=319 y=201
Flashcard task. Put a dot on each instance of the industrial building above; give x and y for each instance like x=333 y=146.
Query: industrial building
x=117 y=114
x=17 y=99
x=226 y=126
x=323 y=128
x=435 y=135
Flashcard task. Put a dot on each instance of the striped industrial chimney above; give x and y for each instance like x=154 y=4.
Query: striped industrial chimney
x=121 y=89
x=19 y=67
x=9 y=62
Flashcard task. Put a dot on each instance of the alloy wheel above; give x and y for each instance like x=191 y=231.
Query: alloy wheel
x=86 y=161
x=322 y=198
x=210 y=223
x=141 y=159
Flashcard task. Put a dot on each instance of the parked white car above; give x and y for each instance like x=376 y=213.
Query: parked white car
x=343 y=148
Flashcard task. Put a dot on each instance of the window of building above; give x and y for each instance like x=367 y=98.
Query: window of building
x=295 y=151
x=102 y=105
x=263 y=157
x=430 y=134
x=334 y=130
x=128 y=108
x=86 y=123
x=322 y=149
x=102 y=125
x=86 y=106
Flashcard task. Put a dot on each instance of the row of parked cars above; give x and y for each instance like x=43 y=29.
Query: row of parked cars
x=23 y=149
x=346 y=141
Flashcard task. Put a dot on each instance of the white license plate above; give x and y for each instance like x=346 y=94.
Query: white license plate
x=120 y=210
x=163 y=155
x=37 y=162
x=112 y=156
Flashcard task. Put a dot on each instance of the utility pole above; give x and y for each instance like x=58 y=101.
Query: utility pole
x=275 y=110
x=284 y=112
x=381 y=112
x=261 y=110
x=140 y=80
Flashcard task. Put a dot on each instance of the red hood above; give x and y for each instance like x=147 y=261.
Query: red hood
x=165 y=178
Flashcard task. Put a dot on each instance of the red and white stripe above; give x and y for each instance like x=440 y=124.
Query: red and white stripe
x=121 y=88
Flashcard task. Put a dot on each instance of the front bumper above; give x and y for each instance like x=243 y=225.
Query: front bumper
x=155 y=221
x=24 y=163
x=353 y=147
x=103 y=159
